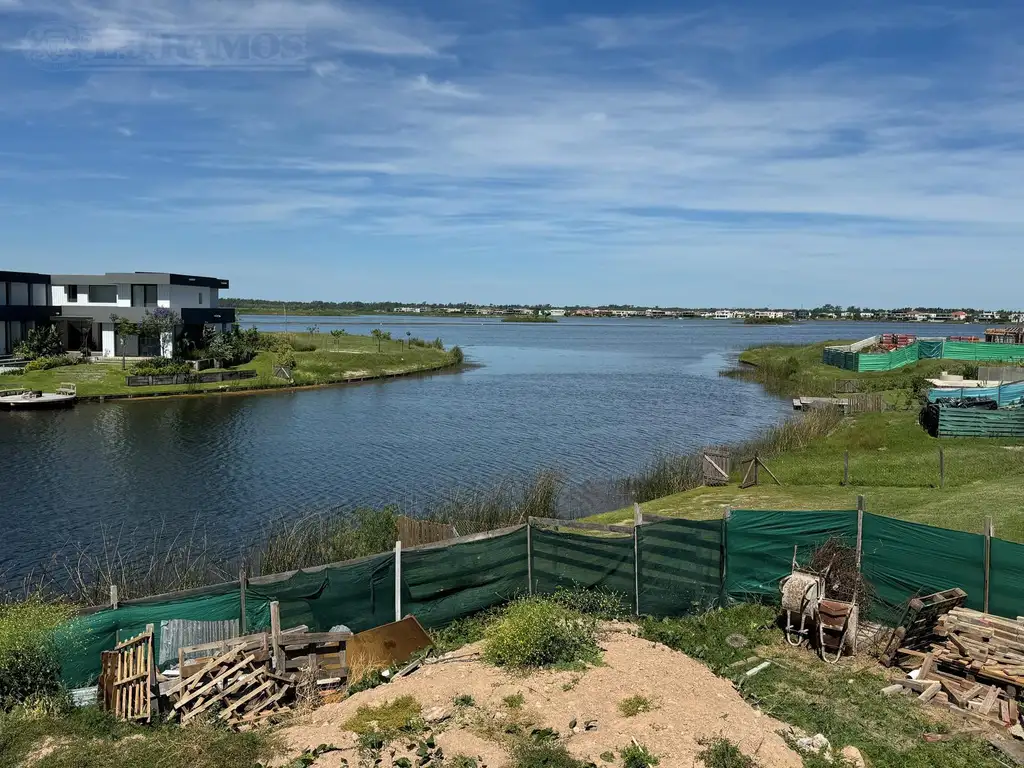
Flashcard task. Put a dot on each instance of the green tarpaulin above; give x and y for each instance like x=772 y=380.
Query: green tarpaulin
x=1006 y=581
x=680 y=567
x=759 y=547
x=440 y=585
x=903 y=559
x=568 y=559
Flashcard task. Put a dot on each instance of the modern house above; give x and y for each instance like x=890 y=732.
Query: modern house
x=24 y=302
x=83 y=306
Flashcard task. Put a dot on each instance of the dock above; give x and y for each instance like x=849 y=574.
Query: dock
x=29 y=400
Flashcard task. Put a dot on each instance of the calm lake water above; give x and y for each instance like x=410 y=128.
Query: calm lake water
x=592 y=398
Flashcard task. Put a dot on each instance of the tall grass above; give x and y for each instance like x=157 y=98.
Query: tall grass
x=667 y=475
x=509 y=502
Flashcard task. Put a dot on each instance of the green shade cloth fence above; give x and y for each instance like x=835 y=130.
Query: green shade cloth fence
x=981 y=351
x=672 y=568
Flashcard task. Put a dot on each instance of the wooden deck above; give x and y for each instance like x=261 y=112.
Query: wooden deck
x=26 y=400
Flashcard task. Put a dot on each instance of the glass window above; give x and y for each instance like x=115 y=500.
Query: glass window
x=143 y=295
x=19 y=295
x=72 y=293
x=200 y=298
x=103 y=294
x=39 y=294
x=3 y=294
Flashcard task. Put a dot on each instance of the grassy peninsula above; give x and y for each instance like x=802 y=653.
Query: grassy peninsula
x=528 y=319
x=314 y=358
x=894 y=464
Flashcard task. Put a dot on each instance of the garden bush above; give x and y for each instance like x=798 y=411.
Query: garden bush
x=28 y=662
x=46 y=363
x=159 y=366
x=536 y=632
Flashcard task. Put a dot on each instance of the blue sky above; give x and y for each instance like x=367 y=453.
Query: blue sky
x=677 y=153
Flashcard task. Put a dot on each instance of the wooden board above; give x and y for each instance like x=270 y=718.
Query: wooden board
x=132 y=678
x=386 y=645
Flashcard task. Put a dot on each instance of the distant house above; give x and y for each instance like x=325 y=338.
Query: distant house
x=724 y=314
x=557 y=313
x=86 y=303
x=24 y=303
x=1013 y=334
x=771 y=314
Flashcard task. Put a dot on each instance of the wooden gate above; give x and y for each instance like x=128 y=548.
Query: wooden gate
x=134 y=673
x=715 y=466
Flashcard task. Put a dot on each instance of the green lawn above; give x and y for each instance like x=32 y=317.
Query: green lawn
x=334 y=360
x=893 y=463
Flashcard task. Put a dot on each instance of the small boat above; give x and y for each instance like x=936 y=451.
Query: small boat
x=29 y=399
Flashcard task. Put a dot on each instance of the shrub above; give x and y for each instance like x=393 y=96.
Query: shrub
x=386 y=721
x=28 y=661
x=302 y=346
x=515 y=700
x=637 y=756
x=636 y=705
x=722 y=753
x=534 y=632
x=46 y=363
x=464 y=700
x=595 y=602
x=457 y=356
x=159 y=366
x=547 y=755
x=42 y=341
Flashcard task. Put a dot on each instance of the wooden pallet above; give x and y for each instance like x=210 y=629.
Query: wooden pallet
x=917 y=627
x=134 y=675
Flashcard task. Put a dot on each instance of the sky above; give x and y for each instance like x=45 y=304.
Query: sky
x=655 y=153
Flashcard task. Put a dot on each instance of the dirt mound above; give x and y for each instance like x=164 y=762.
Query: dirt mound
x=691 y=703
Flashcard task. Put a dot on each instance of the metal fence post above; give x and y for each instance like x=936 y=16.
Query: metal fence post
x=638 y=519
x=529 y=555
x=398 y=581
x=989 y=533
x=113 y=596
x=860 y=530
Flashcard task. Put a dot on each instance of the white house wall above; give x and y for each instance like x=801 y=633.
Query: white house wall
x=190 y=296
x=107 y=334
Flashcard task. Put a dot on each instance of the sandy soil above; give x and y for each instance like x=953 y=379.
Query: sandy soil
x=692 y=703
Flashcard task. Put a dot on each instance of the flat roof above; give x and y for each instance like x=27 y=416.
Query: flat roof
x=23 y=277
x=160 y=278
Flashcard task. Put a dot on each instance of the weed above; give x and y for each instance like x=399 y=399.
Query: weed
x=719 y=752
x=636 y=705
x=552 y=755
x=369 y=679
x=462 y=761
x=637 y=756
x=28 y=660
x=601 y=603
x=385 y=722
x=515 y=700
x=608 y=757
x=703 y=637
x=535 y=632
x=462 y=632
x=464 y=700
x=573 y=682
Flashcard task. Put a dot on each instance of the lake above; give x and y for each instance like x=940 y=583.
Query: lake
x=594 y=399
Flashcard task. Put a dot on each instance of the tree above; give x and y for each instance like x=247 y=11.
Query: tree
x=124 y=328
x=337 y=336
x=158 y=323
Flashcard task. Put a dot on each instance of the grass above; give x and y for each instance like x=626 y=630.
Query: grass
x=387 y=721
x=719 y=752
x=89 y=738
x=331 y=360
x=894 y=464
x=464 y=700
x=636 y=705
x=515 y=700
x=842 y=702
x=637 y=756
x=532 y=633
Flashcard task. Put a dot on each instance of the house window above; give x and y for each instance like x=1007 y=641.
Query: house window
x=200 y=298
x=143 y=295
x=72 y=293
x=103 y=294
x=3 y=294
x=19 y=295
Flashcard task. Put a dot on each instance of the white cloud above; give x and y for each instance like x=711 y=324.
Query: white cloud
x=424 y=84
x=126 y=132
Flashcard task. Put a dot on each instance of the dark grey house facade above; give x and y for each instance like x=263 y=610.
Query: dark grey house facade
x=25 y=302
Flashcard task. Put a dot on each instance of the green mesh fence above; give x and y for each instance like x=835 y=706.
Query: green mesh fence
x=441 y=585
x=1006 y=579
x=903 y=559
x=759 y=547
x=888 y=361
x=966 y=350
x=680 y=567
x=360 y=596
x=83 y=639
x=567 y=560
x=930 y=350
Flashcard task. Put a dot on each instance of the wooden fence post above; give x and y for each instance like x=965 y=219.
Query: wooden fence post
x=275 y=637
x=638 y=519
x=989 y=533
x=241 y=601
x=529 y=555
x=860 y=530
x=398 y=581
x=113 y=596
x=846 y=468
x=942 y=468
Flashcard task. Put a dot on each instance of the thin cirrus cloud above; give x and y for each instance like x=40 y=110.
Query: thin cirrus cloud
x=620 y=145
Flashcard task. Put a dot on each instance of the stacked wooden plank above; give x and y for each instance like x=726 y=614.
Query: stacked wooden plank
x=916 y=629
x=236 y=687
